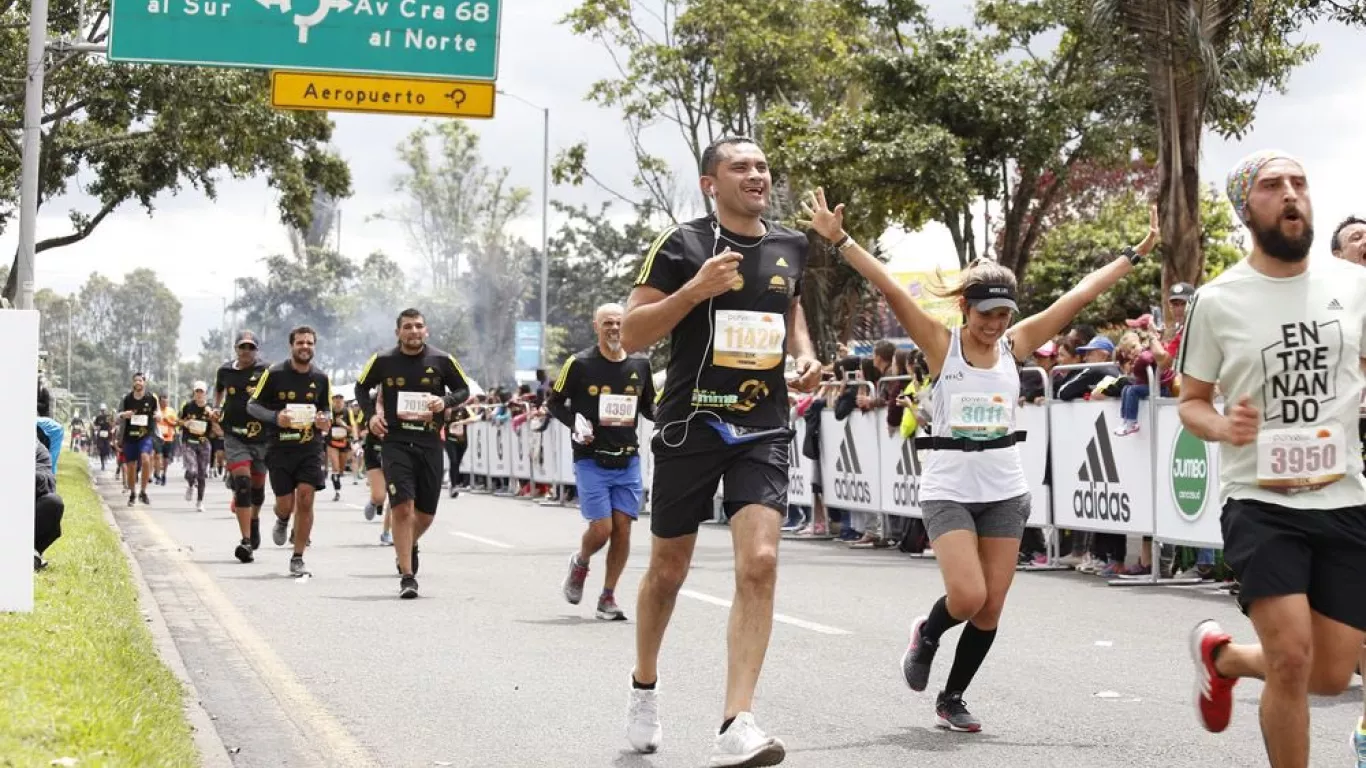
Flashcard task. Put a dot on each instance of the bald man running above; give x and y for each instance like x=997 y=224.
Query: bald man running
x=598 y=395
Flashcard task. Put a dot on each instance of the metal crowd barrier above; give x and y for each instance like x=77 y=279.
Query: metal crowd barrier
x=1160 y=482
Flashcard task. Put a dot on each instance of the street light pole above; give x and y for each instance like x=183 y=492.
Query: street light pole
x=33 y=144
x=545 y=228
x=545 y=212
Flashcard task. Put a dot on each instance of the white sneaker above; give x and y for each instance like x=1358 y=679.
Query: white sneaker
x=199 y=506
x=189 y=492
x=745 y=745
x=642 y=720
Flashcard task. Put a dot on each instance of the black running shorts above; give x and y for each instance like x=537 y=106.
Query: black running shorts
x=372 y=455
x=290 y=468
x=1279 y=551
x=413 y=473
x=686 y=477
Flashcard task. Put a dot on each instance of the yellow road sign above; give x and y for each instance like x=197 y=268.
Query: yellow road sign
x=385 y=95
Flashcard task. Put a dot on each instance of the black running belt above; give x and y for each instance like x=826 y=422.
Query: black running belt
x=968 y=446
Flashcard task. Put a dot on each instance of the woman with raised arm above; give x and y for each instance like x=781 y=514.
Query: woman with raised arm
x=973 y=493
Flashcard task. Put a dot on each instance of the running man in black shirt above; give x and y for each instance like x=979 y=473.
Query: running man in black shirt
x=294 y=396
x=244 y=440
x=339 y=442
x=196 y=418
x=726 y=290
x=597 y=396
x=139 y=415
x=418 y=383
x=104 y=426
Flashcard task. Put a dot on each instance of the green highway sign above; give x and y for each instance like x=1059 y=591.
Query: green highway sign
x=450 y=39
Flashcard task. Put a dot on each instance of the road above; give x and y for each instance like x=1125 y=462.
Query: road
x=491 y=667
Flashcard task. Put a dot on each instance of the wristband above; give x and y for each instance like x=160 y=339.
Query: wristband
x=1131 y=254
x=840 y=244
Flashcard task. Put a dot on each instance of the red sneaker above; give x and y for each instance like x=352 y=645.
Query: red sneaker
x=1213 y=692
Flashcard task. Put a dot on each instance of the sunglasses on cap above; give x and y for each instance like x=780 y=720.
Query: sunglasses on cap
x=246 y=345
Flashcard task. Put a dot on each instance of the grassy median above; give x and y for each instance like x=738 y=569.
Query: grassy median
x=79 y=677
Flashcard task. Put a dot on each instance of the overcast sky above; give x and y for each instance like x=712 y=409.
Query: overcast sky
x=197 y=245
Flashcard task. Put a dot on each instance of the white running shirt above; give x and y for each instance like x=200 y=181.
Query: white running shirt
x=975 y=404
x=1295 y=346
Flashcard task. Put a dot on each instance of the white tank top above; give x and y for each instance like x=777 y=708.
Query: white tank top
x=974 y=404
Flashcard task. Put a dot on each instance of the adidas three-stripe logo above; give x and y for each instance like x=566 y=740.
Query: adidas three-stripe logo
x=909 y=463
x=1099 y=466
x=848 y=458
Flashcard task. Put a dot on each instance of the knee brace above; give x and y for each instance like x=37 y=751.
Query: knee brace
x=258 y=496
x=241 y=491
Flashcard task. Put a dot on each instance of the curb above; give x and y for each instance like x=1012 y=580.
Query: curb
x=213 y=753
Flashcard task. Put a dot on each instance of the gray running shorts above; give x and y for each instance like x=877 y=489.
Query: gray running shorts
x=988 y=519
x=239 y=452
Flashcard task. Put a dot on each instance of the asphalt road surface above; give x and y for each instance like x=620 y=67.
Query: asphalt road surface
x=490 y=667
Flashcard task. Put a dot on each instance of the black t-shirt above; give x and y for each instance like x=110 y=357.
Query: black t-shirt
x=236 y=386
x=431 y=372
x=102 y=424
x=281 y=386
x=145 y=406
x=192 y=411
x=743 y=382
x=598 y=388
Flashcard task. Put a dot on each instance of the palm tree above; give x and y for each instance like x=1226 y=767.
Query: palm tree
x=1181 y=47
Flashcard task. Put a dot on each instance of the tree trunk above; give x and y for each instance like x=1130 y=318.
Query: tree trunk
x=1179 y=195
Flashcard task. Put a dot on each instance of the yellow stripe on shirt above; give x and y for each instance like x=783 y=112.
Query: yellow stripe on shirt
x=650 y=255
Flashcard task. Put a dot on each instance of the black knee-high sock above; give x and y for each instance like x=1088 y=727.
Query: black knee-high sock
x=939 y=621
x=973 y=646
x=336 y=481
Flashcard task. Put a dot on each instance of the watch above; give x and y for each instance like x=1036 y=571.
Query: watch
x=1131 y=254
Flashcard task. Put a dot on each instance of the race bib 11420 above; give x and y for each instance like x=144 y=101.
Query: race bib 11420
x=1302 y=459
x=748 y=340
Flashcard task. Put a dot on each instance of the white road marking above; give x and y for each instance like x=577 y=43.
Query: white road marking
x=778 y=617
x=481 y=540
x=294 y=698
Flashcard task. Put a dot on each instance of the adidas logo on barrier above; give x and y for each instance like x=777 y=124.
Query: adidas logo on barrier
x=1101 y=495
x=849 y=485
x=906 y=487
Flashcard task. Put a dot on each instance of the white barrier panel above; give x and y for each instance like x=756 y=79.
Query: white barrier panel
x=799 y=467
x=565 y=451
x=1101 y=482
x=1187 y=494
x=479 y=446
x=1033 y=419
x=18 y=417
x=543 y=460
x=849 y=460
x=521 y=451
x=500 y=450
x=467 y=458
x=899 y=470
x=645 y=429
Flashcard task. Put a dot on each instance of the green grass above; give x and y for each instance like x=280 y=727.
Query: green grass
x=79 y=676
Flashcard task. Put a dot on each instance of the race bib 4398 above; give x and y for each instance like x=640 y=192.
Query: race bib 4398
x=617 y=410
x=749 y=340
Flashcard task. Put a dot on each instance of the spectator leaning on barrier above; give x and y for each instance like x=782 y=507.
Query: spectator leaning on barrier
x=1099 y=356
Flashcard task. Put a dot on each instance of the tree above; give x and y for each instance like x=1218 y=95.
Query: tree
x=132 y=132
x=593 y=261
x=1073 y=247
x=310 y=288
x=1202 y=65
x=457 y=215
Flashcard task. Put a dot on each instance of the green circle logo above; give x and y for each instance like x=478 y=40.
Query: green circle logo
x=1190 y=474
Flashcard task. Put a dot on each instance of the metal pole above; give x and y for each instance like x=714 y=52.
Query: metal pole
x=70 y=310
x=32 y=149
x=545 y=230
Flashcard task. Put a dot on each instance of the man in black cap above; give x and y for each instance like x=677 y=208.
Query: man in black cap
x=244 y=440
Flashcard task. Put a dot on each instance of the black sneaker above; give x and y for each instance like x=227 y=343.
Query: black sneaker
x=243 y=551
x=953 y=714
x=407 y=588
x=132 y=499
x=142 y=497
x=255 y=539
x=414 y=559
x=919 y=655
